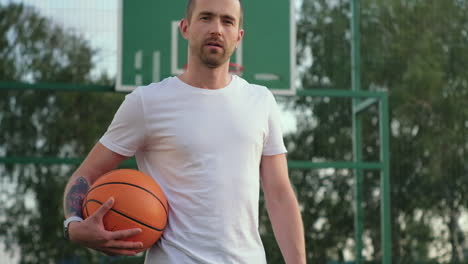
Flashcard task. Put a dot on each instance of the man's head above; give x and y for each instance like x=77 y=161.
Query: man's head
x=191 y=7
x=213 y=29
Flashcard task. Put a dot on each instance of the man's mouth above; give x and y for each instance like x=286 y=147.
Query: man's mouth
x=214 y=44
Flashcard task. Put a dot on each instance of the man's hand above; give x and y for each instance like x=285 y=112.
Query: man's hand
x=91 y=233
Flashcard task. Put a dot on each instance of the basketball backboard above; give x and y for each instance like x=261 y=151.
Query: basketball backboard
x=151 y=47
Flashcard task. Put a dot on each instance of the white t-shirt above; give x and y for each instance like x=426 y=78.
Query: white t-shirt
x=204 y=148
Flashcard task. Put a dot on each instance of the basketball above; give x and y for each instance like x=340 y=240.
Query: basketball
x=139 y=202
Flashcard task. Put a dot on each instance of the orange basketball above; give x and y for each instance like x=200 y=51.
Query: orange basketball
x=139 y=202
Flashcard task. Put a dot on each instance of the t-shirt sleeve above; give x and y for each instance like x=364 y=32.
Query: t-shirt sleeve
x=126 y=133
x=273 y=143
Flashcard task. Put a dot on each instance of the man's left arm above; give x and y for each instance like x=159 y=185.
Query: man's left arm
x=283 y=208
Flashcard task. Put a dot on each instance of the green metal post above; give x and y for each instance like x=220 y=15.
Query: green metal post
x=355 y=45
x=385 y=182
x=357 y=126
x=66 y=87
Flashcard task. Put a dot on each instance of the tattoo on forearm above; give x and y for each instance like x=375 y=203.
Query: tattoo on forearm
x=75 y=197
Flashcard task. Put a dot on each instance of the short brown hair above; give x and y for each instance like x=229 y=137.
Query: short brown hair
x=191 y=7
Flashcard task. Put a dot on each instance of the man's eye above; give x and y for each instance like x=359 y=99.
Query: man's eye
x=229 y=22
x=204 y=18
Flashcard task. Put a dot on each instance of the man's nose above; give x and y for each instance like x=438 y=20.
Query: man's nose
x=216 y=27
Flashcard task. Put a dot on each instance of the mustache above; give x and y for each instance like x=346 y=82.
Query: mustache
x=214 y=41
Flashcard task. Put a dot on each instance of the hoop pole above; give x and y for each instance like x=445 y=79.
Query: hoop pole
x=357 y=128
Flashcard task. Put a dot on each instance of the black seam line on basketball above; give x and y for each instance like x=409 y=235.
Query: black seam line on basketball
x=126 y=183
x=87 y=212
x=84 y=205
x=126 y=216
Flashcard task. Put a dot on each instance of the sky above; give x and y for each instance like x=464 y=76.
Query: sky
x=96 y=21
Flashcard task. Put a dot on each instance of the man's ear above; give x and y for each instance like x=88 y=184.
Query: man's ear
x=240 y=36
x=183 y=26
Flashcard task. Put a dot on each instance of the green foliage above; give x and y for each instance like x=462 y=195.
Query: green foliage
x=44 y=124
x=415 y=50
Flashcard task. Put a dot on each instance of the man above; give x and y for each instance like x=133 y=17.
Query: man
x=208 y=138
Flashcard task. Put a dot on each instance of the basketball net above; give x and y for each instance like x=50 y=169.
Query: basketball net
x=235 y=68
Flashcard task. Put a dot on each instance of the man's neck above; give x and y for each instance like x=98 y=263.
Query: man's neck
x=204 y=77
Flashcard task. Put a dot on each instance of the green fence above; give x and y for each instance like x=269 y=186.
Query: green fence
x=373 y=102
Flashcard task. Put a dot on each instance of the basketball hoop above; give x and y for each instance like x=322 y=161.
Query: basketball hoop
x=235 y=68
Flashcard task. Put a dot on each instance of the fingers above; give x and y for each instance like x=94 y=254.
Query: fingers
x=120 y=244
x=104 y=208
x=110 y=242
x=118 y=252
x=121 y=234
x=121 y=247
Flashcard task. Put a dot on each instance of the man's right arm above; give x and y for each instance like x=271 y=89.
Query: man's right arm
x=99 y=161
x=91 y=232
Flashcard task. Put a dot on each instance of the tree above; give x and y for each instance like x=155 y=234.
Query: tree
x=44 y=124
x=415 y=51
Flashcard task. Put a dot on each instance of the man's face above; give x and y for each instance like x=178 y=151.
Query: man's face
x=213 y=31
